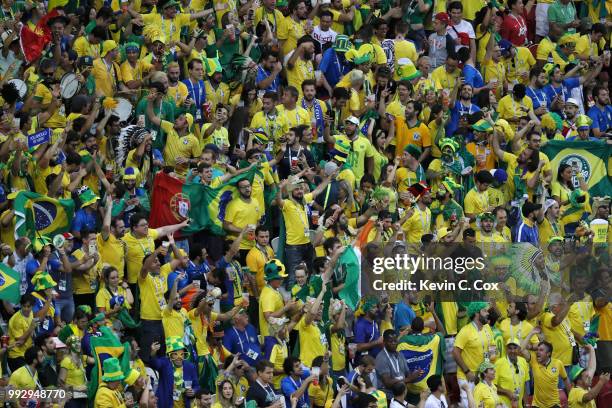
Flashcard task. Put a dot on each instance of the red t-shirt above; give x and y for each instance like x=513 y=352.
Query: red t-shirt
x=514 y=29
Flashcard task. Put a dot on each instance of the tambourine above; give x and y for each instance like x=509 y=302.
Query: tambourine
x=123 y=109
x=21 y=87
x=69 y=85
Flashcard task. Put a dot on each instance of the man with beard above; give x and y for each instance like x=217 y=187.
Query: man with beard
x=162 y=107
x=537 y=81
x=298 y=247
x=242 y=212
x=546 y=371
x=48 y=369
x=516 y=106
x=294 y=26
x=134 y=70
x=511 y=375
x=106 y=71
x=268 y=70
x=488 y=240
x=477 y=199
x=601 y=112
x=551 y=225
x=176 y=89
x=242 y=339
x=411 y=131
x=289 y=114
x=417 y=220
x=260 y=255
x=46 y=97
x=474 y=345
x=217 y=92
x=361 y=156
x=409 y=173
x=267 y=118
x=315 y=107
x=110 y=245
x=26 y=376
x=570 y=113
x=300 y=63
x=527 y=230
x=462 y=108
x=335 y=105
x=182 y=148
x=560 y=85
x=397 y=108
x=178 y=377
x=583 y=126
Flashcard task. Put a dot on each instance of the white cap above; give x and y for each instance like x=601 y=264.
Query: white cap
x=572 y=101
x=352 y=120
x=549 y=203
x=325 y=2
x=330 y=168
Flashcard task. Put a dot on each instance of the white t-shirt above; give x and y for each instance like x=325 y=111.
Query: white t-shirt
x=397 y=404
x=462 y=27
x=433 y=402
x=324 y=37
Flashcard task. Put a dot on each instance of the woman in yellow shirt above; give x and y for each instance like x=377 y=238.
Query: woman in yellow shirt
x=485 y=393
x=562 y=190
x=225 y=396
x=321 y=392
x=111 y=297
x=72 y=369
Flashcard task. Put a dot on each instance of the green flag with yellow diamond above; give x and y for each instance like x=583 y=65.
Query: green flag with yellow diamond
x=590 y=158
x=9 y=284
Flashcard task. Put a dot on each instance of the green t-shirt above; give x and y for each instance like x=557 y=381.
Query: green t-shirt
x=167 y=113
x=414 y=15
x=558 y=13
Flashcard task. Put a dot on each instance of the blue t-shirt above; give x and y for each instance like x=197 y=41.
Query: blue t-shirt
x=174 y=275
x=84 y=219
x=602 y=119
x=262 y=75
x=472 y=76
x=564 y=90
x=53 y=266
x=244 y=342
x=366 y=332
x=46 y=325
x=525 y=233
x=457 y=112
x=289 y=386
x=538 y=97
x=403 y=315
x=333 y=65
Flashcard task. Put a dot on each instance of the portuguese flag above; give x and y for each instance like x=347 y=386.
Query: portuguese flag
x=592 y=159
x=174 y=200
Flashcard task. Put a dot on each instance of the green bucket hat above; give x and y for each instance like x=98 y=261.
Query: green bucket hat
x=413 y=150
x=574 y=372
x=274 y=270
x=87 y=197
x=99 y=318
x=39 y=243
x=484 y=366
x=112 y=370
x=447 y=141
x=482 y=126
x=174 y=343
x=475 y=307
x=43 y=281
x=342 y=43
x=171 y=3
x=406 y=70
x=486 y=216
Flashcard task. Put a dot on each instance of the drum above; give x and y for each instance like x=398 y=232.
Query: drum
x=123 y=109
x=21 y=87
x=69 y=85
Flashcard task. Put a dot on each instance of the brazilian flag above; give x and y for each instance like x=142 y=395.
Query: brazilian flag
x=9 y=284
x=39 y=215
x=208 y=204
x=104 y=346
x=425 y=353
x=590 y=158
